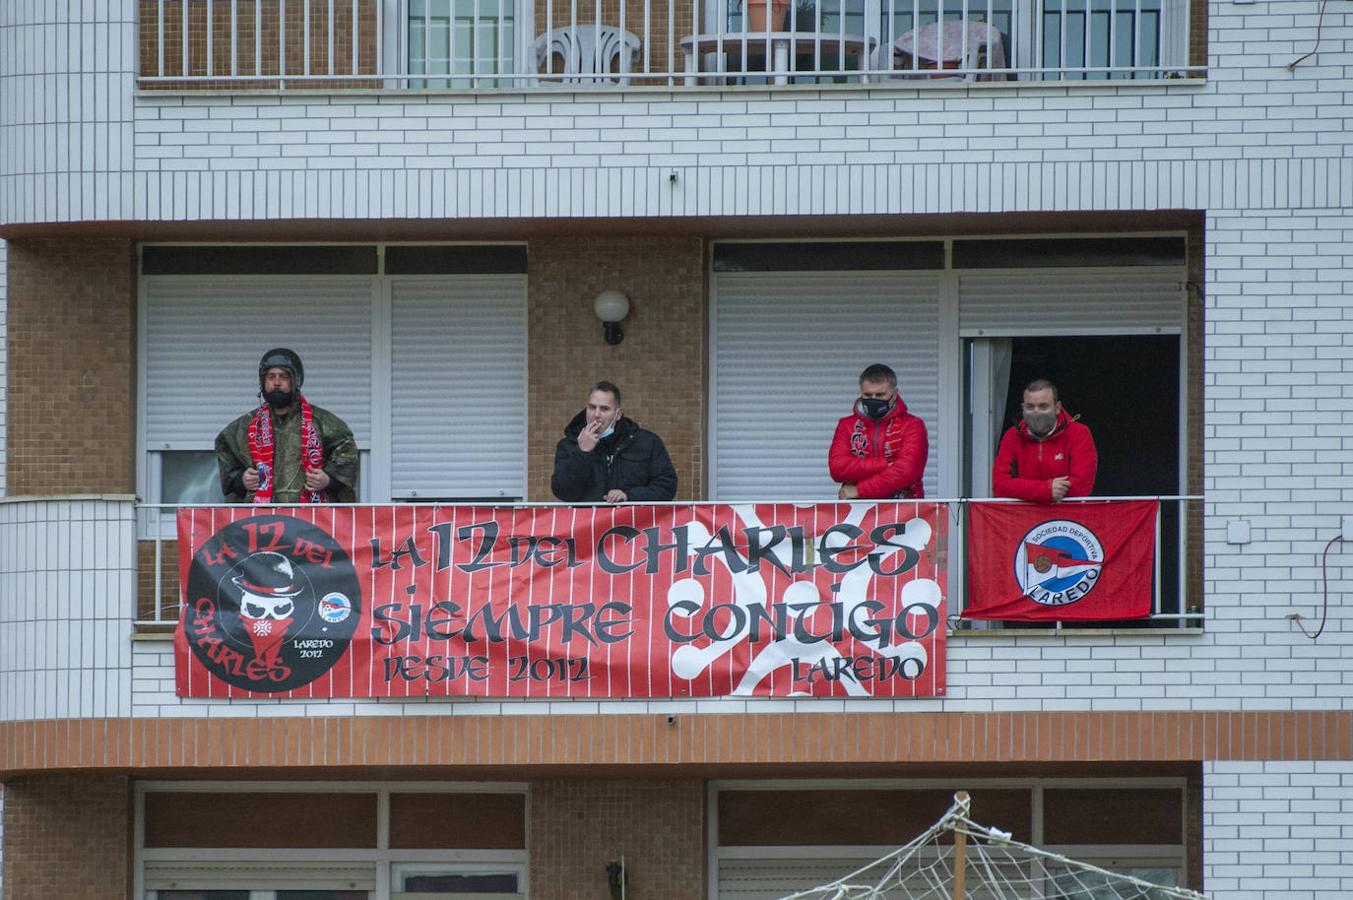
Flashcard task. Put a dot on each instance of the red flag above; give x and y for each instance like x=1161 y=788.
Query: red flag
x=1068 y=562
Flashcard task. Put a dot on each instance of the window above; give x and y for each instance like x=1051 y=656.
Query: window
x=411 y=340
x=317 y=841
x=965 y=322
x=778 y=837
x=1048 y=34
x=1125 y=388
x=454 y=881
x=1100 y=34
x=1104 y=320
x=460 y=38
x=260 y=895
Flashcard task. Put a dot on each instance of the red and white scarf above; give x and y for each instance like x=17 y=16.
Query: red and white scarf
x=262 y=445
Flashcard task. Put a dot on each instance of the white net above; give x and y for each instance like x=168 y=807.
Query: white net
x=956 y=858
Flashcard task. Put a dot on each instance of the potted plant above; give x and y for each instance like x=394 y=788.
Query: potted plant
x=760 y=13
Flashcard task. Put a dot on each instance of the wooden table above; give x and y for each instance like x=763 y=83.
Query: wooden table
x=730 y=44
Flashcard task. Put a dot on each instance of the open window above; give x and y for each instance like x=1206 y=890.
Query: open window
x=1104 y=321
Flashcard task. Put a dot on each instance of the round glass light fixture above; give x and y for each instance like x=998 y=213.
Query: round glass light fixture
x=611 y=308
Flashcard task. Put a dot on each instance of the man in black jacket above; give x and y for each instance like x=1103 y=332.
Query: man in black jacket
x=606 y=457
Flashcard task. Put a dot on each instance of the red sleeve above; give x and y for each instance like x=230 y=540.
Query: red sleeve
x=1005 y=480
x=846 y=467
x=1084 y=460
x=906 y=468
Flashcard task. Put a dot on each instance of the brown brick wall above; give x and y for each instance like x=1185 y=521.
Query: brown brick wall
x=169 y=581
x=660 y=365
x=67 y=836
x=579 y=826
x=598 y=742
x=71 y=326
x=1197 y=32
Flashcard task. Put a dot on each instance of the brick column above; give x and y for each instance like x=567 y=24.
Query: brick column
x=660 y=365
x=67 y=836
x=578 y=826
x=72 y=366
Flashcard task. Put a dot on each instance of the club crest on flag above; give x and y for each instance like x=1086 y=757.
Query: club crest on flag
x=1058 y=562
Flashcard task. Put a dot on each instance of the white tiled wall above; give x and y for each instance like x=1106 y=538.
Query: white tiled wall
x=1277 y=830
x=1252 y=130
x=66 y=104
x=67 y=572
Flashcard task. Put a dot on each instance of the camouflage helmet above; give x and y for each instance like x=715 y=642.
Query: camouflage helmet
x=282 y=358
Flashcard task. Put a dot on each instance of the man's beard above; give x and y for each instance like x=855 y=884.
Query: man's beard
x=279 y=399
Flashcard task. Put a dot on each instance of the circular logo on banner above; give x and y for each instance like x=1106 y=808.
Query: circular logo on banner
x=1058 y=562
x=273 y=603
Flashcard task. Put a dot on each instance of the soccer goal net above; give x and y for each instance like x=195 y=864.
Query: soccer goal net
x=957 y=859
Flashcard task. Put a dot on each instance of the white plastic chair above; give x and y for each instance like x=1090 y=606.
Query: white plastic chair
x=938 y=48
x=588 y=50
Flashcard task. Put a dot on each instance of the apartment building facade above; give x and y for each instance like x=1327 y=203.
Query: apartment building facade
x=1146 y=200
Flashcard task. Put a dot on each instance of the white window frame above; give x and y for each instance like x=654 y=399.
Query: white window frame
x=399 y=870
x=398 y=55
x=385 y=859
x=376 y=459
x=1103 y=855
x=1026 y=23
x=948 y=431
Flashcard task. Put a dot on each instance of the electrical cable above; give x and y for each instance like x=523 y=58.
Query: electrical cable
x=1325 y=587
x=1319 y=24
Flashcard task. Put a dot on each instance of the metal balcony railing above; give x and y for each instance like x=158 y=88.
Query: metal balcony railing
x=1176 y=569
x=526 y=44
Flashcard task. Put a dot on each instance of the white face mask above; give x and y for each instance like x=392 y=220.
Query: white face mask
x=610 y=430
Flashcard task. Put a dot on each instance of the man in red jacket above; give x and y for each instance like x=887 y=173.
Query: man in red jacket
x=1047 y=456
x=879 y=450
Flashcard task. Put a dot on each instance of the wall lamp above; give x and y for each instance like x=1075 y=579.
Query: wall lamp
x=611 y=308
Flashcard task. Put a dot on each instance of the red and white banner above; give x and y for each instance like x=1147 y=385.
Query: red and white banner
x=632 y=601
x=1068 y=562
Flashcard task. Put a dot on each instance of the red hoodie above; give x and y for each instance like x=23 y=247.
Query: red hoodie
x=1025 y=465
x=883 y=459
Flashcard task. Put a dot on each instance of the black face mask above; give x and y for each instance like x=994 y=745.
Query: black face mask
x=875 y=408
x=279 y=399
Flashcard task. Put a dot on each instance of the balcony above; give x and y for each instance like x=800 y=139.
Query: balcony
x=1175 y=588
x=475 y=45
x=74 y=575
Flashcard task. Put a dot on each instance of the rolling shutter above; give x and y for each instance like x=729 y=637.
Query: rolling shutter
x=458 y=385
x=1047 y=302
x=788 y=351
x=746 y=877
x=224 y=875
x=204 y=337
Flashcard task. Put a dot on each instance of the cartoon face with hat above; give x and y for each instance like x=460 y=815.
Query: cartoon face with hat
x=268 y=586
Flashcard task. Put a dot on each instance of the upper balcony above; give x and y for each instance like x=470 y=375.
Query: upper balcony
x=476 y=45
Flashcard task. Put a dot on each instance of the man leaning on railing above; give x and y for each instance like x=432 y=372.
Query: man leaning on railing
x=286 y=450
x=604 y=456
x=879 y=451
x=1047 y=456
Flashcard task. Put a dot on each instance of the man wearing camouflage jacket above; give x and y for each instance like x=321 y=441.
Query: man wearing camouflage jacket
x=287 y=451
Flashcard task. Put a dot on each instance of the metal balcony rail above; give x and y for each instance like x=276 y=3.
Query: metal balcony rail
x=530 y=44
x=1177 y=570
